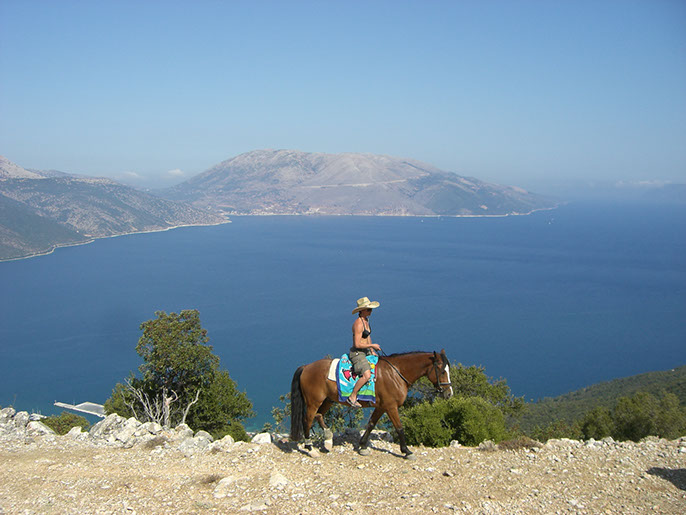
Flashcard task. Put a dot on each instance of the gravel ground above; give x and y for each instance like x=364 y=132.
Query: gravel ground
x=62 y=475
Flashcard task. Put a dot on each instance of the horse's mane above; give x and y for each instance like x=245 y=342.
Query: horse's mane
x=397 y=354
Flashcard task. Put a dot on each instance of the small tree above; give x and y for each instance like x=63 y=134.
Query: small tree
x=181 y=379
x=597 y=423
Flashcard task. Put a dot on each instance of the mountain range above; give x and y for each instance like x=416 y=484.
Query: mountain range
x=293 y=182
x=43 y=210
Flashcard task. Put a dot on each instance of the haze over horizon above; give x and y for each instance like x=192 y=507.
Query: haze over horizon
x=535 y=94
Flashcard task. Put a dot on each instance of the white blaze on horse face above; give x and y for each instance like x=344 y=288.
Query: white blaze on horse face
x=447 y=373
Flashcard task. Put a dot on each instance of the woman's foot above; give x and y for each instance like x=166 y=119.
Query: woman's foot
x=354 y=403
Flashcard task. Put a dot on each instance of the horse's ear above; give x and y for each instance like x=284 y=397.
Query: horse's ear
x=435 y=356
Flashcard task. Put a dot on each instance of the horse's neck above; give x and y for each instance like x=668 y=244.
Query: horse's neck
x=412 y=366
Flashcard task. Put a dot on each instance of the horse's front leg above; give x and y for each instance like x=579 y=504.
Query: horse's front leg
x=395 y=420
x=376 y=415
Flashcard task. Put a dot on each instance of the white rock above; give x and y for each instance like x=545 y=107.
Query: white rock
x=204 y=435
x=6 y=414
x=21 y=419
x=152 y=427
x=262 y=438
x=36 y=428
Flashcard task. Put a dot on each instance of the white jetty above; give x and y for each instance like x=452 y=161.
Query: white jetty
x=89 y=408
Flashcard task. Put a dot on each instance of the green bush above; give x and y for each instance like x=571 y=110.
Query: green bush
x=644 y=414
x=469 y=420
x=597 y=424
x=236 y=430
x=63 y=422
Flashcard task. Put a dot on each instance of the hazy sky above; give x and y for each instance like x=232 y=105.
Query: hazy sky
x=516 y=92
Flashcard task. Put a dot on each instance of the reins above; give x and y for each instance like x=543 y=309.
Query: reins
x=393 y=367
x=438 y=384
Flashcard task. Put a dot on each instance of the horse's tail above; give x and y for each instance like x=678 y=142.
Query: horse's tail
x=297 y=407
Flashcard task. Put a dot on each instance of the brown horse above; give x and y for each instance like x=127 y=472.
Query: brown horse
x=312 y=394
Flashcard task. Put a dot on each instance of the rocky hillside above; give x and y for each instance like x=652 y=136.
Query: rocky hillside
x=43 y=210
x=292 y=182
x=123 y=466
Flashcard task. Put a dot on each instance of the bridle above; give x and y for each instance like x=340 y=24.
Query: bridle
x=440 y=385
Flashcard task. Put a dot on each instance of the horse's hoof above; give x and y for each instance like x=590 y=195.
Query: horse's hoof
x=365 y=452
x=313 y=453
x=328 y=445
x=410 y=457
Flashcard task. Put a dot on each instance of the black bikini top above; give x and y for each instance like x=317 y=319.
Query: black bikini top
x=365 y=332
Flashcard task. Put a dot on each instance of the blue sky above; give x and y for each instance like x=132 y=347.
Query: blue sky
x=540 y=94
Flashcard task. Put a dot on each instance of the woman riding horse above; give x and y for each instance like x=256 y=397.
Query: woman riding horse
x=312 y=394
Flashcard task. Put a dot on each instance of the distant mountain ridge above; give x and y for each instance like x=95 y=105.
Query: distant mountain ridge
x=43 y=210
x=294 y=182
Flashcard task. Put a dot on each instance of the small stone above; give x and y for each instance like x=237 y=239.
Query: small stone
x=277 y=480
x=223 y=486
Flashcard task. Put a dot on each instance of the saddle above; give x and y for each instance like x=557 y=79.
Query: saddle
x=341 y=372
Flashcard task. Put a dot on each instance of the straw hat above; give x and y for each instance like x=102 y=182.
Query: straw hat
x=365 y=303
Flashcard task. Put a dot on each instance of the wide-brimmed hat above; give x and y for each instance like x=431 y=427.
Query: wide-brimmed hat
x=365 y=303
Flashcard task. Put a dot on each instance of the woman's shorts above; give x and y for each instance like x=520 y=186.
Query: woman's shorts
x=359 y=360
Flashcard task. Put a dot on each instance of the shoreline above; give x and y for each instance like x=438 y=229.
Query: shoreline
x=388 y=215
x=228 y=221
x=92 y=239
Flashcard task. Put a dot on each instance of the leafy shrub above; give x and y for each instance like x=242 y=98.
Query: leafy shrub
x=469 y=420
x=235 y=429
x=470 y=381
x=597 y=424
x=63 y=422
x=644 y=414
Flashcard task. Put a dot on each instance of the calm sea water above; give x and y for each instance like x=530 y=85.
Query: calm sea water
x=552 y=302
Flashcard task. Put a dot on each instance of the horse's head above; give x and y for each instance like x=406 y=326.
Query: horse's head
x=439 y=374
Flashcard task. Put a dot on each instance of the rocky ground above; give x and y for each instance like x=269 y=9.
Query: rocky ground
x=128 y=468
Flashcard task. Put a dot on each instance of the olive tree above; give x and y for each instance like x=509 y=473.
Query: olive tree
x=180 y=381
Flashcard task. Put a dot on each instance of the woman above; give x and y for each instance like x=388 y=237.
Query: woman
x=362 y=346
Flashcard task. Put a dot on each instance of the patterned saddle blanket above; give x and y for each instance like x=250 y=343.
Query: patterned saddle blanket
x=345 y=379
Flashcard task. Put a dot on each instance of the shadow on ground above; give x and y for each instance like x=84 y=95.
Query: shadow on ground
x=675 y=476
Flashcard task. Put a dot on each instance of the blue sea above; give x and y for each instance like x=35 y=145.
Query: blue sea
x=552 y=302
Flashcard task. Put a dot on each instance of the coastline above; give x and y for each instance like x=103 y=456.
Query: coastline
x=92 y=239
x=390 y=215
x=387 y=215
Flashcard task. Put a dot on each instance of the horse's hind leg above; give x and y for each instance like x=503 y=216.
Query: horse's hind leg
x=376 y=415
x=319 y=417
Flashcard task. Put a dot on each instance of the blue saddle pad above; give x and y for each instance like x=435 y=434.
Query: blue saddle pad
x=345 y=379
